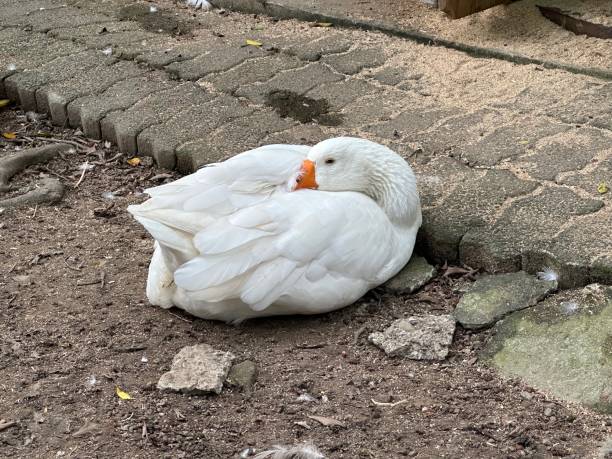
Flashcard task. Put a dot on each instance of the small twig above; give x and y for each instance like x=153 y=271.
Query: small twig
x=6 y=425
x=358 y=334
x=145 y=433
x=12 y=268
x=80 y=284
x=128 y=418
x=35 y=210
x=387 y=403
x=179 y=317
x=74 y=268
x=102 y=279
x=82 y=174
x=69 y=142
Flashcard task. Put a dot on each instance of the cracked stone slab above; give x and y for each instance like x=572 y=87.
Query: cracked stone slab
x=341 y=93
x=591 y=106
x=252 y=71
x=470 y=205
x=123 y=127
x=412 y=276
x=66 y=17
x=561 y=346
x=88 y=111
x=216 y=60
x=589 y=180
x=418 y=338
x=313 y=50
x=525 y=231
x=493 y=297
x=298 y=81
x=235 y=136
x=160 y=58
x=569 y=151
x=509 y=141
x=198 y=369
x=194 y=122
x=23 y=86
x=356 y=60
x=410 y=122
x=55 y=97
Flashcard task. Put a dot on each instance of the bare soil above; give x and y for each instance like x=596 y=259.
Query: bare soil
x=75 y=324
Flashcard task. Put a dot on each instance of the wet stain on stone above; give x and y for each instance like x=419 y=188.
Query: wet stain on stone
x=158 y=21
x=303 y=109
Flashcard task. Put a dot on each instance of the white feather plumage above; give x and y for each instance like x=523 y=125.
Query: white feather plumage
x=232 y=242
x=305 y=451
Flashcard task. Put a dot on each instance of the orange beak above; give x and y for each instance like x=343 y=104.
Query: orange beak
x=306 y=179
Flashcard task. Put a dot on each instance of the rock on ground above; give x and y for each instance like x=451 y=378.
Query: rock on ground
x=198 y=369
x=562 y=346
x=419 y=338
x=493 y=297
x=412 y=277
x=243 y=375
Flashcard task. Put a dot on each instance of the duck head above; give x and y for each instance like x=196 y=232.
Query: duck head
x=362 y=166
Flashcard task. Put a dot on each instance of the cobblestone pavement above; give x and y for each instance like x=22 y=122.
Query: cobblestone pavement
x=509 y=157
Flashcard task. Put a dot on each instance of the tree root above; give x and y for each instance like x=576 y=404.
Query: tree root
x=49 y=190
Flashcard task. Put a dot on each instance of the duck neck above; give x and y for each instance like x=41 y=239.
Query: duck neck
x=392 y=185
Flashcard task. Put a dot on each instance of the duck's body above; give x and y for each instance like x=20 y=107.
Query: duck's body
x=236 y=240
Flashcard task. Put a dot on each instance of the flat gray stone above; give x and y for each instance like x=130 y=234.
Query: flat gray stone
x=356 y=60
x=24 y=85
x=339 y=94
x=298 y=81
x=198 y=369
x=252 y=71
x=243 y=375
x=410 y=122
x=216 y=60
x=123 y=127
x=562 y=346
x=235 y=136
x=527 y=230
x=194 y=122
x=412 y=276
x=66 y=17
x=510 y=141
x=589 y=180
x=87 y=111
x=417 y=338
x=55 y=97
x=314 y=50
x=587 y=107
x=493 y=297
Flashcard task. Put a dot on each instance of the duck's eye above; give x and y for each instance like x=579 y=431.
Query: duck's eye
x=330 y=161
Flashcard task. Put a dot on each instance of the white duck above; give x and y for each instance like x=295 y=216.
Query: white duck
x=281 y=229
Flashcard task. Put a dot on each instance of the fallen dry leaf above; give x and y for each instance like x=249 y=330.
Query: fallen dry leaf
x=135 y=161
x=122 y=394
x=325 y=421
x=602 y=188
x=4 y=102
x=254 y=43
x=9 y=135
x=322 y=24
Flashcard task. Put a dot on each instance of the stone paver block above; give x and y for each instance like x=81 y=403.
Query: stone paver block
x=56 y=96
x=562 y=346
x=342 y=93
x=53 y=18
x=101 y=30
x=418 y=338
x=89 y=110
x=193 y=122
x=391 y=76
x=122 y=127
x=235 y=136
x=216 y=60
x=525 y=230
x=198 y=369
x=370 y=110
x=314 y=50
x=470 y=205
x=568 y=151
x=159 y=58
x=298 y=81
x=302 y=134
x=493 y=297
x=410 y=122
x=252 y=71
x=13 y=13
x=590 y=180
x=24 y=85
x=509 y=141
x=589 y=106
x=356 y=60
x=412 y=276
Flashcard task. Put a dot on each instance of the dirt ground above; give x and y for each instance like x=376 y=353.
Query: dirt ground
x=75 y=324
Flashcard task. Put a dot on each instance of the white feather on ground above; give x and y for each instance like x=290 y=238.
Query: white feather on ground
x=305 y=451
x=201 y=4
x=548 y=274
